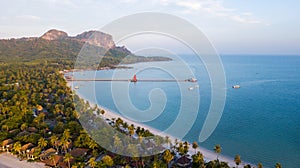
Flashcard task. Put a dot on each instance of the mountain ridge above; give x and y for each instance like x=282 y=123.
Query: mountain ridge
x=58 y=47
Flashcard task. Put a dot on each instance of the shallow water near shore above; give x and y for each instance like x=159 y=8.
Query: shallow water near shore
x=260 y=122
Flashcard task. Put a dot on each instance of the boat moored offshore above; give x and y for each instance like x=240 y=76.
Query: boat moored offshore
x=236 y=86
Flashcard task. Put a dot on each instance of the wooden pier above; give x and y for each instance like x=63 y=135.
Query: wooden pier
x=128 y=80
x=134 y=79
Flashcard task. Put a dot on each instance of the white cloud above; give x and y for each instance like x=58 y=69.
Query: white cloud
x=68 y=3
x=29 y=17
x=128 y=1
x=247 y=13
x=214 y=7
x=189 y=5
x=244 y=20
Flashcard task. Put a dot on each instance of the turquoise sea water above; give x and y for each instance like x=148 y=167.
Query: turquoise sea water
x=261 y=120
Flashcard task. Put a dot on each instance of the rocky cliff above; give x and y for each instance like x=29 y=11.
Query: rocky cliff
x=95 y=38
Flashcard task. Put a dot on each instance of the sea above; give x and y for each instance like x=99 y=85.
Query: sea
x=260 y=120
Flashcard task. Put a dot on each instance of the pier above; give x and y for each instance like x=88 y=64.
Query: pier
x=134 y=79
x=128 y=80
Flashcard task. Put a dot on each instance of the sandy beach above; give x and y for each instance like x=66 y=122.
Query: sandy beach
x=8 y=160
x=208 y=154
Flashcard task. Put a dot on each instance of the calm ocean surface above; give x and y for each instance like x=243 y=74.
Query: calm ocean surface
x=260 y=122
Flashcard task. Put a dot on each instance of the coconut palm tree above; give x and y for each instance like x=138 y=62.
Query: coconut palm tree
x=67 y=159
x=23 y=126
x=107 y=160
x=125 y=125
x=218 y=150
x=237 y=160
x=180 y=148
x=92 y=162
x=195 y=146
x=52 y=159
x=66 y=135
x=65 y=140
x=168 y=157
x=53 y=141
x=42 y=143
x=92 y=145
x=65 y=143
x=168 y=141
x=198 y=160
x=131 y=130
x=277 y=165
x=5 y=128
x=186 y=147
x=17 y=147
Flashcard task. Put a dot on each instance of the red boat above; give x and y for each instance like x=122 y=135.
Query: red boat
x=134 y=79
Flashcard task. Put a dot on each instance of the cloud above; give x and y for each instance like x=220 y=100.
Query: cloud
x=128 y=1
x=214 y=7
x=68 y=3
x=189 y=5
x=29 y=17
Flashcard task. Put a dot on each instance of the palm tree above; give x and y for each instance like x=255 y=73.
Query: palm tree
x=42 y=143
x=198 y=160
x=5 y=127
x=23 y=126
x=131 y=130
x=65 y=140
x=119 y=122
x=278 y=165
x=180 y=148
x=17 y=147
x=218 y=150
x=237 y=160
x=65 y=143
x=107 y=160
x=52 y=159
x=125 y=125
x=67 y=159
x=66 y=134
x=92 y=162
x=259 y=165
x=176 y=143
x=186 y=147
x=195 y=146
x=92 y=145
x=53 y=141
x=168 y=141
x=168 y=157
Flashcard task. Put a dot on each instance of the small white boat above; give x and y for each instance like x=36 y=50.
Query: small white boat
x=191 y=88
x=236 y=86
x=76 y=87
x=192 y=80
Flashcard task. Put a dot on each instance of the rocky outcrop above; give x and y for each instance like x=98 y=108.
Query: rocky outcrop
x=54 y=35
x=96 y=38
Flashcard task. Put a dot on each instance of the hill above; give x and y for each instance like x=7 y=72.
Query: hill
x=56 y=46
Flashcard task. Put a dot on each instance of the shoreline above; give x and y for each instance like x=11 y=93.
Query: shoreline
x=7 y=160
x=208 y=155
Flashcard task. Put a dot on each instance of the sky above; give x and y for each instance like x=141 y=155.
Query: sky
x=232 y=26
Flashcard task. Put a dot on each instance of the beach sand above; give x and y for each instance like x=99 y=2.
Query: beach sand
x=209 y=155
x=8 y=160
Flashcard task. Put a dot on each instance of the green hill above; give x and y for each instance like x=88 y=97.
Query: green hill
x=57 y=47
